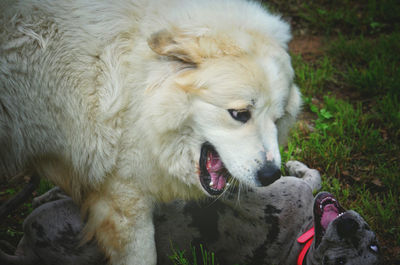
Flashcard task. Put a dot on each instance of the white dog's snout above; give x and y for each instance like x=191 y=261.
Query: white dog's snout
x=271 y=156
x=268 y=173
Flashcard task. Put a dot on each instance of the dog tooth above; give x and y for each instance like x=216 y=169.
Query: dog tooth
x=211 y=183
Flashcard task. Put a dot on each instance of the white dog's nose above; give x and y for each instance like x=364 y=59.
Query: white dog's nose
x=268 y=173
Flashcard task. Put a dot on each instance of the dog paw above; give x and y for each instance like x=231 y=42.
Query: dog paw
x=309 y=175
x=296 y=168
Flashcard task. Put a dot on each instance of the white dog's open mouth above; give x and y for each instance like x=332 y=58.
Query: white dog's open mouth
x=214 y=177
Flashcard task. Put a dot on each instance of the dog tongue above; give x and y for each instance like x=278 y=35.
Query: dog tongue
x=329 y=214
x=214 y=164
x=218 y=181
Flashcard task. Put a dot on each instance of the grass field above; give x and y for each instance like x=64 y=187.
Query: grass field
x=346 y=56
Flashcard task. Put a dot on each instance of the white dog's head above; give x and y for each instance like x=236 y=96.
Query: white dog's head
x=231 y=99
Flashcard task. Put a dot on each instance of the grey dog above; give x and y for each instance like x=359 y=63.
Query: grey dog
x=279 y=224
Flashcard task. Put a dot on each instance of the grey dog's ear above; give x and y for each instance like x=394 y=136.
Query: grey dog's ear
x=183 y=48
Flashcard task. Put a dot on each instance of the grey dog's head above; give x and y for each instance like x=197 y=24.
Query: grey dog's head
x=341 y=237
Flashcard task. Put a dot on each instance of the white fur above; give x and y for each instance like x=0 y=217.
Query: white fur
x=112 y=101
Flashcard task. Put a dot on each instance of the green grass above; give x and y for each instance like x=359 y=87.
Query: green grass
x=13 y=233
x=313 y=77
x=369 y=66
x=204 y=256
x=351 y=17
x=44 y=186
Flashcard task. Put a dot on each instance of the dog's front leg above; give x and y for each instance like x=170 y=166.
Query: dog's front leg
x=120 y=218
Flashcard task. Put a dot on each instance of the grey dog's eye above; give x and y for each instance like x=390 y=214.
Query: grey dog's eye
x=242 y=115
x=374 y=248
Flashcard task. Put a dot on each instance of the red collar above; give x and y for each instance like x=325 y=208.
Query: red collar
x=307 y=238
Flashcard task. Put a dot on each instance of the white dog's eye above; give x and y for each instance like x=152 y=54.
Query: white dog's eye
x=242 y=115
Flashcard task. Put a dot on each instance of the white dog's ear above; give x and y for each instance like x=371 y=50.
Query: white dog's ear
x=172 y=45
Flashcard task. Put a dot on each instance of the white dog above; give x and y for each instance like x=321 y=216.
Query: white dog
x=125 y=103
